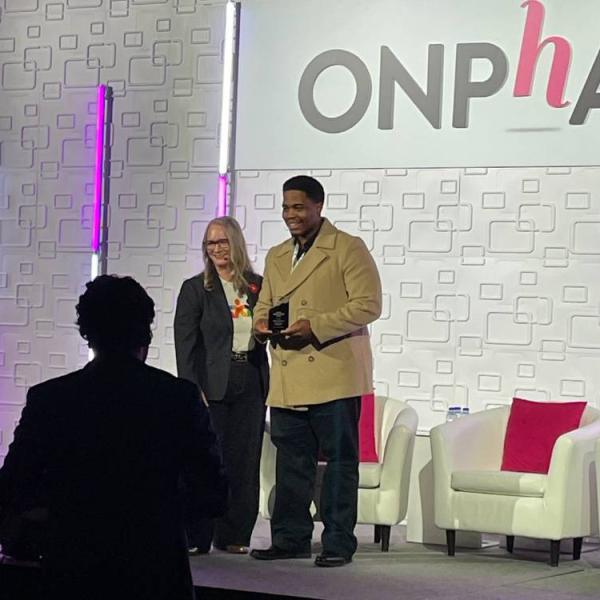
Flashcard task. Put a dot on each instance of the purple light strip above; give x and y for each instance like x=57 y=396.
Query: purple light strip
x=101 y=101
x=222 y=196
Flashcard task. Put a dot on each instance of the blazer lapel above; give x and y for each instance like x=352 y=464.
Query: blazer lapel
x=217 y=297
x=313 y=258
x=253 y=289
x=283 y=260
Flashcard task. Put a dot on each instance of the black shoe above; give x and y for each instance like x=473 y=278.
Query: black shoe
x=275 y=553
x=332 y=560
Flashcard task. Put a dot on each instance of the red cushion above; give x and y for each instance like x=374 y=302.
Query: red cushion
x=532 y=430
x=366 y=430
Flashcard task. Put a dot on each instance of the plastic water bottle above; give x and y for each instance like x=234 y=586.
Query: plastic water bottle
x=453 y=413
x=464 y=411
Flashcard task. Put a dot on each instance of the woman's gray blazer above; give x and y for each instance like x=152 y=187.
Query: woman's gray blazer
x=204 y=334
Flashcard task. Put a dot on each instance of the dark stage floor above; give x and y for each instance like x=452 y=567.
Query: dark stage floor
x=407 y=571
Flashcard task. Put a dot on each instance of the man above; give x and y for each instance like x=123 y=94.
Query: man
x=106 y=451
x=321 y=365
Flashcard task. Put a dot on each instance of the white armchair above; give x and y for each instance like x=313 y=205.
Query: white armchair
x=471 y=493
x=383 y=486
x=598 y=476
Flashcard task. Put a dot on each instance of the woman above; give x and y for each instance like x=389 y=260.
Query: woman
x=216 y=350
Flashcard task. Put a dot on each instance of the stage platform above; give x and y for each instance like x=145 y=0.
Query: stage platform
x=406 y=572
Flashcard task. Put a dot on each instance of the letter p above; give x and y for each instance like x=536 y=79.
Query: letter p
x=465 y=88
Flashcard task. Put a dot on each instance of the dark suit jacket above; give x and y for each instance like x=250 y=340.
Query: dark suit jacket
x=204 y=334
x=108 y=449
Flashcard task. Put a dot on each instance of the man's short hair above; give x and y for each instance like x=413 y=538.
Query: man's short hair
x=309 y=185
x=114 y=314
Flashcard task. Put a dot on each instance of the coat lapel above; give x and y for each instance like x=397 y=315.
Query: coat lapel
x=305 y=267
x=217 y=297
x=283 y=260
x=314 y=257
x=253 y=289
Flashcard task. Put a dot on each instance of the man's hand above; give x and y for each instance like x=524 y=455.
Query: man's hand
x=261 y=330
x=299 y=331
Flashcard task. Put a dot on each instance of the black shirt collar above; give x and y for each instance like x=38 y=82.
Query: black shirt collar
x=303 y=249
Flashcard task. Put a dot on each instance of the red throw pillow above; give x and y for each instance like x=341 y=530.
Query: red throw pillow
x=532 y=430
x=366 y=430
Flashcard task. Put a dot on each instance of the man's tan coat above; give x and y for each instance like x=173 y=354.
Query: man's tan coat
x=336 y=286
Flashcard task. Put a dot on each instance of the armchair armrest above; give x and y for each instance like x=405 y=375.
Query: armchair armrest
x=407 y=418
x=267 y=473
x=473 y=442
x=395 y=473
x=570 y=492
x=570 y=448
x=398 y=458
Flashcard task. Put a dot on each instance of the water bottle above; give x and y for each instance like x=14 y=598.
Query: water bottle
x=453 y=413
x=465 y=411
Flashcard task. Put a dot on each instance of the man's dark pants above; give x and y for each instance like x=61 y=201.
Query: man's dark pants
x=299 y=435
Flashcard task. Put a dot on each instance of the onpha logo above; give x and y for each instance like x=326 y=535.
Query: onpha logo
x=429 y=100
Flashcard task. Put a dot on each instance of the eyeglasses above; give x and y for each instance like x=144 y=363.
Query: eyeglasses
x=223 y=243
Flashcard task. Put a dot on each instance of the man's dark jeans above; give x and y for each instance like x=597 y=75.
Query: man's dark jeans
x=299 y=436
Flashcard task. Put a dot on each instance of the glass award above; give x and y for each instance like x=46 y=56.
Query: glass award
x=279 y=317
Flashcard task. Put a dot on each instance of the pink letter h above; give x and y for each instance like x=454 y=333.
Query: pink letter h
x=530 y=51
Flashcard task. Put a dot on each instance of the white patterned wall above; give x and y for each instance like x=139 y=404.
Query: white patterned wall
x=164 y=191
x=490 y=277
x=163 y=60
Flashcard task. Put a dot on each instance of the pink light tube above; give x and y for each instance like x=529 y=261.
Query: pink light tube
x=222 y=196
x=101 y=103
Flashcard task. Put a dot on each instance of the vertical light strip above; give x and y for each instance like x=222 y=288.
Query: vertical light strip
x=98 y=186
x=222 y=196
x=100 y=110
x=95 y=266
x=226 y=107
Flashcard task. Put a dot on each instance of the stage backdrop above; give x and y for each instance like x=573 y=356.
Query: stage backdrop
x=387 y=84
x=489 y=277
x=489 y=273
x=164 y=62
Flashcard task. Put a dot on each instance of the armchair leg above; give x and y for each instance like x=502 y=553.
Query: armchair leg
x=577 y=543
x=510 y=543
x=377 y=534
x=554 y=552
x=385 y=530
x=451 y=541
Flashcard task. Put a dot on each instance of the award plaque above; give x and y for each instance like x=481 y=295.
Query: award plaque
x=279 y=317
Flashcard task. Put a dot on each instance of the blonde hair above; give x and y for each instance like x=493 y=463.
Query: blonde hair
x=238 y=255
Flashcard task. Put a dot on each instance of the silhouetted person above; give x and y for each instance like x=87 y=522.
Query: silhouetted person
x=109 y=450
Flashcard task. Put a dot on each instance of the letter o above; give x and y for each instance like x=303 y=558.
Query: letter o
x=364 y=89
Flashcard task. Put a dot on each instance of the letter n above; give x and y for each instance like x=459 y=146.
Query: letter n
x=393 y=71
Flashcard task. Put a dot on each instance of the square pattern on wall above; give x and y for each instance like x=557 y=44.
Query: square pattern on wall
x=488 y=277
x=163 y=61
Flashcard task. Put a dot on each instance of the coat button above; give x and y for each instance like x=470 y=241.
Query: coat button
x=311 y=359
x=284 y=363
x=303 y=302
